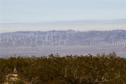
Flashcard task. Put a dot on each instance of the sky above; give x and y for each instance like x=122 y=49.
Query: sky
x=37 y=11
x=12 y=11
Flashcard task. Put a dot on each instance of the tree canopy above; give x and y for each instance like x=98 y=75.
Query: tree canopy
x=88 y=69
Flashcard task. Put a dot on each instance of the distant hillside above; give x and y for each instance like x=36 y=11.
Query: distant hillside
x=62 y=42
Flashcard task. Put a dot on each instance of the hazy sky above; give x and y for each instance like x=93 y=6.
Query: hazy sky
x=30 y=11
x=13 y=11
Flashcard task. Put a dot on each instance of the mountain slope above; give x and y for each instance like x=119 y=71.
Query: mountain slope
x=62 y=42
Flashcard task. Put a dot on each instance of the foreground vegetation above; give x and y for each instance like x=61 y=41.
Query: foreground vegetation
x=89 y=69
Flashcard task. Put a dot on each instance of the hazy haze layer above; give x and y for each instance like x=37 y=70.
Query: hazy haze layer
x=79 y=26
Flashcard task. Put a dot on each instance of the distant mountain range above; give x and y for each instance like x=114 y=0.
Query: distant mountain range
x=84 y=25
x=62 y=42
